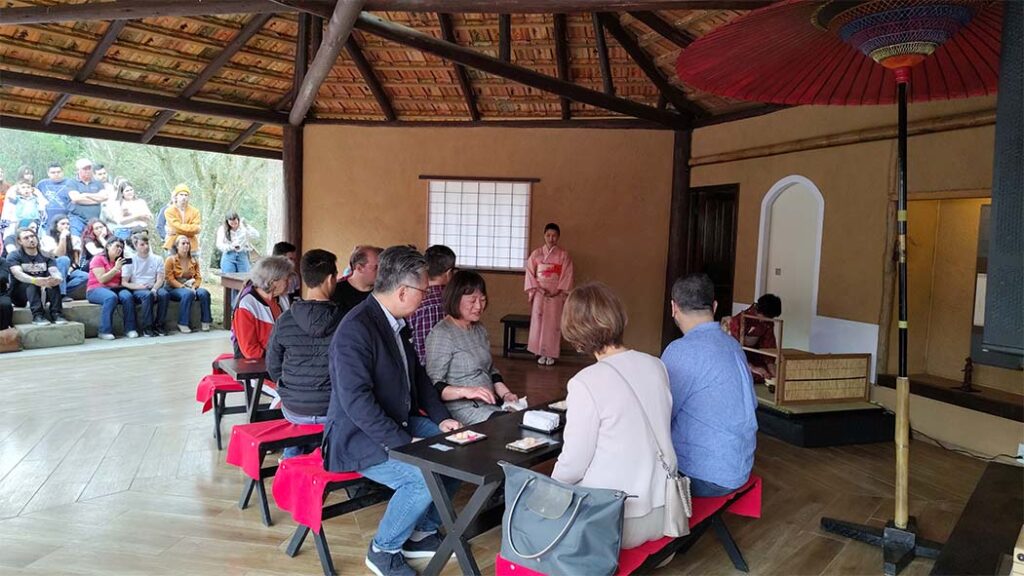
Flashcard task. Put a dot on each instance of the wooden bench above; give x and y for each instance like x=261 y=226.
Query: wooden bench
x=251 y=443
x=707 y=513
x=301 y=487
x=511 y=323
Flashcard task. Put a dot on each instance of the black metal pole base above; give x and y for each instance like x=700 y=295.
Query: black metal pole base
x=968 y=389
x=899 y=547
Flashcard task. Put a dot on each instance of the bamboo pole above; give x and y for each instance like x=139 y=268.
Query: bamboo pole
x=928 y=126
x=903 y=383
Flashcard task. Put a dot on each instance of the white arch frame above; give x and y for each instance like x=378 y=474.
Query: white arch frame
x=764 y=232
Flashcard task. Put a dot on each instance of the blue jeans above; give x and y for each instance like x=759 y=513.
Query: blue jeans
x=77 y=224
x=234 y=262
x=72 y=278
x=146 y=297
x=411 y=507
x=186 y=296
x=704 y=489
x=109 y=299
x=294 y=418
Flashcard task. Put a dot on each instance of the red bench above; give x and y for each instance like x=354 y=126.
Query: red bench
x=212 y=392
x=300 y=488
x=707 y=513
x=251 y=443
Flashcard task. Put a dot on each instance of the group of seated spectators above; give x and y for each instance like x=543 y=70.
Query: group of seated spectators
x=62 y=233
x=393 y=351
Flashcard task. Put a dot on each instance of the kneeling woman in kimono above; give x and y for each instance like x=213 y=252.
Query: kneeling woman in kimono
x=459 y=354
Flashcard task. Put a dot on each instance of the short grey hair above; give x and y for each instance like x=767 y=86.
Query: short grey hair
x=399 y=265
x=268 y=270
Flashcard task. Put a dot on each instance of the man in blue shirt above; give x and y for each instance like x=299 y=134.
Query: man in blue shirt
x=714 y=429
x=87 y=196
x=56 y=189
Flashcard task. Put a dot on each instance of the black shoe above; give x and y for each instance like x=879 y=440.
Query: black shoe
x=59 y=319
x=388 y=564
x=148 y=332
x=425 y=548
x=40 y=320
x=159 y=331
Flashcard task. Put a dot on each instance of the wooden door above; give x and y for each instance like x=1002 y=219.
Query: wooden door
x=708 y=245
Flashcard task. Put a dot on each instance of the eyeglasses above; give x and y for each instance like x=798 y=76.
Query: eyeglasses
x=415 y=288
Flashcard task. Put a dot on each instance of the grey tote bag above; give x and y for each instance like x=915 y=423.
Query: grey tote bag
x=558 y=529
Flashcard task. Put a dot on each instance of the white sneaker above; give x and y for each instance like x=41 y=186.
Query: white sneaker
x=184 y=329
x=132 y=334
x=103 y=336
x=542 y=360
x=549 y=361
x=205 y=327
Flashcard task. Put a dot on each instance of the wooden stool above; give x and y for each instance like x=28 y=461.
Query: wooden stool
x=513 y=322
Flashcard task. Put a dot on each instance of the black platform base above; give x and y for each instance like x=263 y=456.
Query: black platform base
x=899 y=546
x=817 y=430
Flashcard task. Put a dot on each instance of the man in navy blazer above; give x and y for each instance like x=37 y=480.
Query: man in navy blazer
x=378 y=389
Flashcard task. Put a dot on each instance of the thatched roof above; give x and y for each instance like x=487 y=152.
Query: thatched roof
x=167 y=56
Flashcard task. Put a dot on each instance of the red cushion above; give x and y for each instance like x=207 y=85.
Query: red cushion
x=213 y=383
x=244 y=449
x=299 y=487
x=632 y=558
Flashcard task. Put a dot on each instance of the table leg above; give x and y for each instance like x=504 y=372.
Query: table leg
x=227 y=307
x=455 y=527
x=254 y=399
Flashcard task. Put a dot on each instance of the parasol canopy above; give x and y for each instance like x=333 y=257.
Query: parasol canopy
x=828 y=53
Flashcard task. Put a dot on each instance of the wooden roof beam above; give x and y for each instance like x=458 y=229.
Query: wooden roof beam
x=562 y=61
x=280 y=106
x=254 y=25
x=342 y=18
x=414 y=39
x=139 y=9
x=448 y=33
x=148 y=99
x=18 y=123
x=505 y=37
x=86 y=70
x=366 y=70
x=602 y=56
x=625 y=39
x=667 y=31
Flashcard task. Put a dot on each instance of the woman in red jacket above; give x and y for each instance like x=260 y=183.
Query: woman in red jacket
x=258 y=306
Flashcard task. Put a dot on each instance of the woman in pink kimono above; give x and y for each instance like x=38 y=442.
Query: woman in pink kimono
x=548 y=281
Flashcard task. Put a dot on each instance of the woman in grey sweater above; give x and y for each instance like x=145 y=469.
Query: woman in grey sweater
x=459 y=354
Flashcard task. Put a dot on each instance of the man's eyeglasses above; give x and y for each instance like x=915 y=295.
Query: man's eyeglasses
x=415 y=288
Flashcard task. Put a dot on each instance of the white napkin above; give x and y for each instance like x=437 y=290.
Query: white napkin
x=515 y=406
x=541 y=419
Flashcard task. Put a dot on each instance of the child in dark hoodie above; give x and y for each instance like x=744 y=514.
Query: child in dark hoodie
x=297 y=352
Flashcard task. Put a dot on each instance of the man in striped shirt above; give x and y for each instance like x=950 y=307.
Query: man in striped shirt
x=440 y=269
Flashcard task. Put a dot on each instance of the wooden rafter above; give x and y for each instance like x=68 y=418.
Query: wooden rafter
x=505 y=37
x=674 y=35
x=17 y=123
x=413 y=38
x=254 y=25
x=372 y=82
x=139 y=9
x=562 y=61
x=148 y=99
x=628 y=42
x=448 y=33
x=602 y=56
x=87 y=69
x=339 y=27
x=281 y=105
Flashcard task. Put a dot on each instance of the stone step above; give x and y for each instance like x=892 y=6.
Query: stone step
x=88 y=314
x=51 y=335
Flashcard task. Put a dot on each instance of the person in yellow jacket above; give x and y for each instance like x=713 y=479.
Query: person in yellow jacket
x=182 y=219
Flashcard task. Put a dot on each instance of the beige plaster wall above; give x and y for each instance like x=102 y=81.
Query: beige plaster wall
x=609 y=191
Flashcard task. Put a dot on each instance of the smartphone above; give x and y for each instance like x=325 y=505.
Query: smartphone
x=127 y=261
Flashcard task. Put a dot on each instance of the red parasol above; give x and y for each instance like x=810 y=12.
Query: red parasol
x=859 y=52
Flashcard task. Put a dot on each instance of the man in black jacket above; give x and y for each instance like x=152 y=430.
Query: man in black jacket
x=378 y=389
x=297 y=352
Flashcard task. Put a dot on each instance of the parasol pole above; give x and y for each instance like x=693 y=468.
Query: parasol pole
x=902 y=433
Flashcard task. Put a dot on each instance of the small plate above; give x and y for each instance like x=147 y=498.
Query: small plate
x=465 y=437
x=527 y=444
x=559 y=406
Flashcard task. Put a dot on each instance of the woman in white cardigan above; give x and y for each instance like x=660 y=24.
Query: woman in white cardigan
x=606 y=442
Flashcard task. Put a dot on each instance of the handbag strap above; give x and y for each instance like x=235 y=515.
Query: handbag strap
x=558 y=537
x=672 y=473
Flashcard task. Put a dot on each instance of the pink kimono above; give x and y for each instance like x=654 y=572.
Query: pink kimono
x=551 y=270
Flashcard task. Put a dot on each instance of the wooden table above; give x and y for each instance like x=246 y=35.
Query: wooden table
x=251 y=373
x=231 y=281
x=477 y=464
x=989 y=525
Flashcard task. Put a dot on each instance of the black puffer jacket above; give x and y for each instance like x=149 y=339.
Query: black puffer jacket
x=297 y=355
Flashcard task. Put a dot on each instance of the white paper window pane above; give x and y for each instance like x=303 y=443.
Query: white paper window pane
x=521 y=188
x=503 y=187
x=520 y=200
x=487 y=187
x=471 y=199
x=453 y=186
x=469 y=231
x=468 y=252
x=519 y=211
x=470 y=186
x=436 y=186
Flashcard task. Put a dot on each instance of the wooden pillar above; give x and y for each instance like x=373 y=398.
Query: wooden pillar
x=678 y=226
x=292 y=156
